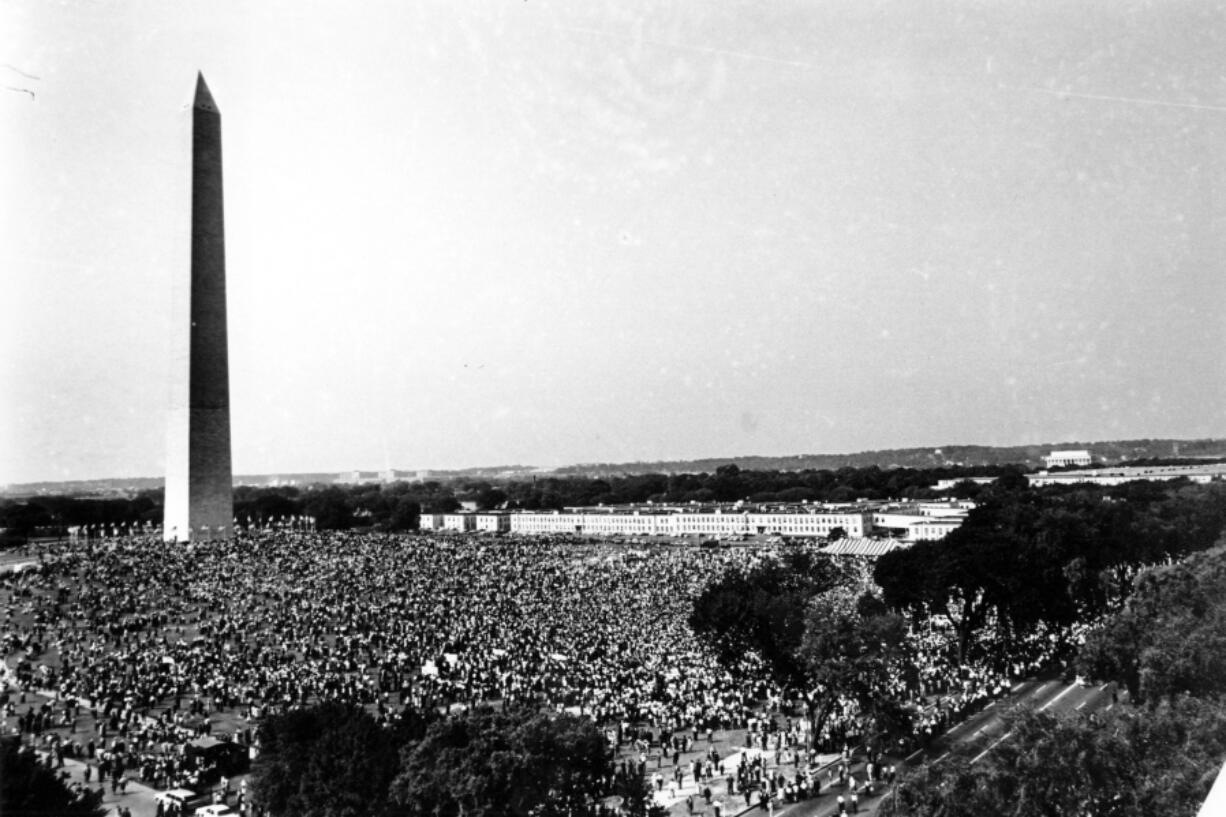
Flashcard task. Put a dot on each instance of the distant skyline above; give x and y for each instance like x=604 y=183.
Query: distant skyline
x=546 y=233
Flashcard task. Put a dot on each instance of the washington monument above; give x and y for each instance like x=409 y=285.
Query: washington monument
x=199 y=485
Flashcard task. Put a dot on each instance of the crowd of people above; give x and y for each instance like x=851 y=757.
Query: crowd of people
x=162 y=644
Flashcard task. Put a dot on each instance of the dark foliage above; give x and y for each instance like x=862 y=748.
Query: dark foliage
x=1131 y=763
x=29 y=789
x=763 y=610
x=336 y=760
x=1051 y=556
x=849 y=643
x=504 y=762
x=1170 y=639
x=1155 y=754
x=332 y=760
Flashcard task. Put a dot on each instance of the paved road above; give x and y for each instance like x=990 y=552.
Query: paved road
x=981 y=732
x=985 y=729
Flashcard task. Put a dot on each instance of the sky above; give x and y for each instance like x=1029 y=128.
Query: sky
x=546 y=233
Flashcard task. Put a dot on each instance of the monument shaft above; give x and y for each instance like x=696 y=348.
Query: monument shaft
x=199 y=483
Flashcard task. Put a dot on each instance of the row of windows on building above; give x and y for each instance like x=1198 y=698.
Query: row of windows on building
x=907 y=527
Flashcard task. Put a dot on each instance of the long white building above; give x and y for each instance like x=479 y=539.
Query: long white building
x=1208 y=472
x=908 y=522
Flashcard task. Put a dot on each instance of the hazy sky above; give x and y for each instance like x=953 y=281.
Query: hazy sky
x=556 y=232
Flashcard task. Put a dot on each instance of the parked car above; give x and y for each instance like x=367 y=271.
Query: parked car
x=215 y=810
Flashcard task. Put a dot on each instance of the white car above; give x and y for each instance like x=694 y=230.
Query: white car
x=215 y=810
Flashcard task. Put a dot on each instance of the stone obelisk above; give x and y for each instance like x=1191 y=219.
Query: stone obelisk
x=199 y=485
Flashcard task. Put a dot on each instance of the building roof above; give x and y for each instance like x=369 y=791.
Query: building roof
x=862 y=547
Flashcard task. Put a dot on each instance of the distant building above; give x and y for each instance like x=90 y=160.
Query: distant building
x=459 y=521
x=932 y=530
x=1208 y=472
x=1061 y=459
x=544 y=522
x=920 y=521
x=465 y=521
x=357 y=477
x=905 y=522
x=816 y=523
x=946 y=484
x=492 y=521
x=910 y=521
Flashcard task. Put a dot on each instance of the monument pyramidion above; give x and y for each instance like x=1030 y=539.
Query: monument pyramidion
x=199 y=484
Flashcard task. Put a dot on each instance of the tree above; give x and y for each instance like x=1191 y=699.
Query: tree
x=1047 y=558
x=1170 y=638
x=851 y=641
x=1130 y=763
x=406 y=514
x=515 y=761
x=331 y=507
x=266 y=505
x=29 y=789
x=763 y=610
x=331 y=760
x=21 y=518
x=444 y=503
x=950 y=578
x=491 y=498
x=638 y=799
x=727 y=484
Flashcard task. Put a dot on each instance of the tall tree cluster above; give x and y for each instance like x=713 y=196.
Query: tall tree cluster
x=764 y=610
x=1049 y=558
x=1157 y=753
x=337 y=760
x=1169 y=640
x=819 y=627
x=852 y=642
